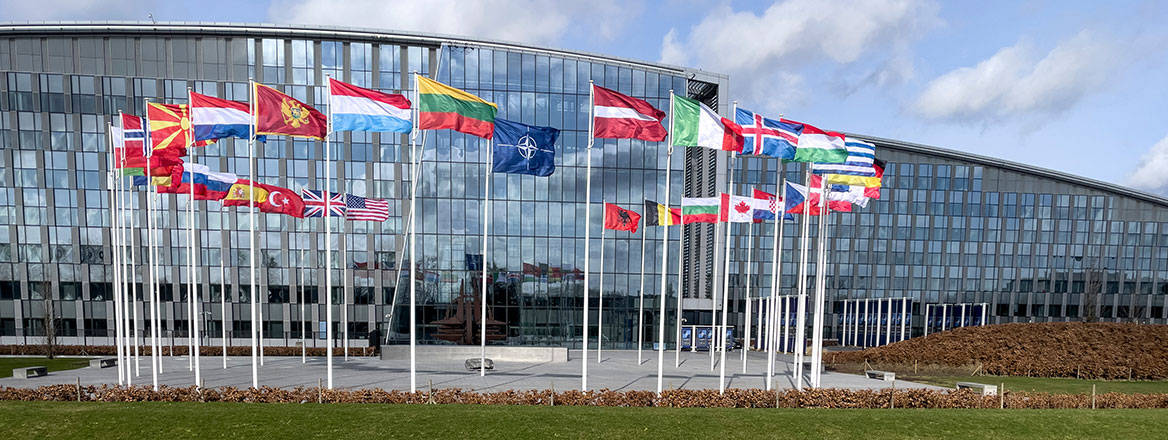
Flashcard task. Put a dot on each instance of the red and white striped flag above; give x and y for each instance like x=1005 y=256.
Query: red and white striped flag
x=617 y=116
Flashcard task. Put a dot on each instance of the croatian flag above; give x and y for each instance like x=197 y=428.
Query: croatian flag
x=359 y=109
x=766 y=205
x=214 y=118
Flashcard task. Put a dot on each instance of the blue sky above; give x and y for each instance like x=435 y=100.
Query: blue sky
x=1076 y=86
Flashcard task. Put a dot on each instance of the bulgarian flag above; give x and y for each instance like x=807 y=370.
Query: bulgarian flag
x=700 y=209
x=695 y=125
x=442 y=106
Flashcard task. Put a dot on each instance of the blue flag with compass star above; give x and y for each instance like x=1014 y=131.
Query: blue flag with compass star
x=524 y=149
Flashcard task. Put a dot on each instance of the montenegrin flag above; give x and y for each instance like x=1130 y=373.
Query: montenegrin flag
x=443 y=107
x=618 y=116
x=695 y=125
x=277 y=113
x=359 y=109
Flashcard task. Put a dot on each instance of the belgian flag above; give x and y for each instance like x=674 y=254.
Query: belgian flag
x=655 y=214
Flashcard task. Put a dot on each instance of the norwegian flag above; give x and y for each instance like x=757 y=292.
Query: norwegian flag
x=314 y=203
x=363 y=209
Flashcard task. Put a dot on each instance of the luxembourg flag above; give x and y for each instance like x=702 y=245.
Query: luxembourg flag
x=214 y=118
x=359 y=109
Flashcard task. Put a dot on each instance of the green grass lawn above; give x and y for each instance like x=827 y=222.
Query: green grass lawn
x=58 y=364
x=240 y=420
x=1047 y=384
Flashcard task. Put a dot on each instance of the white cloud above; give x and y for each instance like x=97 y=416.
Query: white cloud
x=525 y=21
x=40 y=10
x=760 y=51
x=1152 y=174
x=1016 y=82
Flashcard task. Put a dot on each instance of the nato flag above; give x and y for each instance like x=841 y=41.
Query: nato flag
x=524 y=149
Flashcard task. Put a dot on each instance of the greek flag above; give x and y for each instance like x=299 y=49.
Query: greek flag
x=859 y=162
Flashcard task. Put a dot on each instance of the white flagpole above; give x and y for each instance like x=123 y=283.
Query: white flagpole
x=151 y=201
x=347 y=286
x=251 y=139
x=328 y=245
x=149 y=260
x=680 y=285
x=303 y=322
x=776 y=275
x=746 y=294
x=726 y=280
x=196 y=309
x=414 y=176
x=486 y=237
x=133 y=272
x=223 y=308
x=110 y=183
x=801 y=311
x=641 y=295
x=600 y=294
x=123 y=277
x=587 y=229
x=664 y=264
x=820 y=287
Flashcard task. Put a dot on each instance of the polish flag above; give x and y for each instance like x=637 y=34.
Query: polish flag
x=617 y=116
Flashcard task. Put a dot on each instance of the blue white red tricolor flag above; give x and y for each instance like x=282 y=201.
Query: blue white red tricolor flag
x=765 y=136
x=362 y=209
x=208 y=185
x=359 y=109
x=314 y=204
x=214 y=118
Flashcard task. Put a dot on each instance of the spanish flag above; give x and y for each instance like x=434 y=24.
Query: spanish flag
x=280 y=114
x=442 y=106
x=657 y=214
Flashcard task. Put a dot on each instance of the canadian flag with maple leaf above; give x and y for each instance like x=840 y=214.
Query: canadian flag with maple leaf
x=736 y=209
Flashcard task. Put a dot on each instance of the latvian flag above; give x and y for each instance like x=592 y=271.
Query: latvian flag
x=617 y=116
x=214 y=118
x=360 y=109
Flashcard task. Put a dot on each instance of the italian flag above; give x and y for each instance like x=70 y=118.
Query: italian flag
x=695 y=125
x=700 y=210
x=442 y=106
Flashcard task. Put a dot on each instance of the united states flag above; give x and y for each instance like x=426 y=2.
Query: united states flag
x=314 y=204
x=363 y=209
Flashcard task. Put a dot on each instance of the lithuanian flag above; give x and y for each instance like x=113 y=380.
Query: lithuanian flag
x=442 y=106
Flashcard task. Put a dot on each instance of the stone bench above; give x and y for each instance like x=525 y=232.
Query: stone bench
x=986 y=390
x=886 y=376
x=103 y=362
x=474 y=365
x=29 y=372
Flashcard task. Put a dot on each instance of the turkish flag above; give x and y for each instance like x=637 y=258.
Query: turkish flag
x=620 y=219
x=277 y=113
x=268 y=198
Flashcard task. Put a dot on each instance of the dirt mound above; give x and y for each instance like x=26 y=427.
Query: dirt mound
x=1055 y=349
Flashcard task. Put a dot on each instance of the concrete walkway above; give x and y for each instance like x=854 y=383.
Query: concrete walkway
x=618 y=370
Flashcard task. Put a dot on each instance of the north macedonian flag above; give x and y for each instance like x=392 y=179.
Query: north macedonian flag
x=170 y=129
x=442 y=106
x=277 y=113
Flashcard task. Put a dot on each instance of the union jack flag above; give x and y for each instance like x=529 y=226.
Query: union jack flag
x=360 y=208
x=314 y=203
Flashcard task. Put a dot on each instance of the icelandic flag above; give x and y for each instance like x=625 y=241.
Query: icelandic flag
x=861 y=157
x=213 y=118
x=208 y=185
x=524 y=149
x=766 y=205
x=359 y=109
x=767 y=137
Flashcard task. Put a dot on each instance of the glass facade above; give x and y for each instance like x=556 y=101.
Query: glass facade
x=949 y=228
x=61 y=88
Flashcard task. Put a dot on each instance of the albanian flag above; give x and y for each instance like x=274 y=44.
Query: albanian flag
x=277 y=113
x=620 y=219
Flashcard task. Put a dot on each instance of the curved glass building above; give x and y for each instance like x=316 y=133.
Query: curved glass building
x=950 y=227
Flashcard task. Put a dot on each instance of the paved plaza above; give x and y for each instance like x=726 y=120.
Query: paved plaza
x=618 y=370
